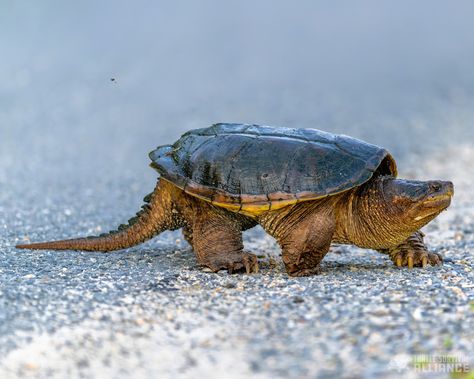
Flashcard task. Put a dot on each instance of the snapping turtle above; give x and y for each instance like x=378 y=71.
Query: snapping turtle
x=305 y=187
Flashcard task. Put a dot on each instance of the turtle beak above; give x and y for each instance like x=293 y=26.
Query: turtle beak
x=438 y=198
x=439 y=193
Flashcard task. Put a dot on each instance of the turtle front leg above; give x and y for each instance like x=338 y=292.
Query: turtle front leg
x=304 y=234
x=217 y=242
x=304 y=248
x=413 y=253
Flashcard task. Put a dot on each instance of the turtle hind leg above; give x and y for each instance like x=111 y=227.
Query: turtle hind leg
x=413 y=253
x=188 y=230
x=217 y=242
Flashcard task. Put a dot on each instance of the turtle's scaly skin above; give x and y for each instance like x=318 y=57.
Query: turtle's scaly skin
x=306 y=188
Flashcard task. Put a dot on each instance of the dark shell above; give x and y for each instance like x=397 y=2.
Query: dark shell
x=252 y=168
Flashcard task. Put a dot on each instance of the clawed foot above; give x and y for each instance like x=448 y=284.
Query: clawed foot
x=235 y=262
x=306 y=272
x=413 y=253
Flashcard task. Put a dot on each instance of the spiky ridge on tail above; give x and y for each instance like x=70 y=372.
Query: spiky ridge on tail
x=154 y=217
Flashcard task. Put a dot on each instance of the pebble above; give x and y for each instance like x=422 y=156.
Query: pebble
x=151 y=311
x=298 y=300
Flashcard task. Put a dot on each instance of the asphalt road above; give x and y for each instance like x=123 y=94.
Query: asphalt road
x=150 y=311
x=73 y=162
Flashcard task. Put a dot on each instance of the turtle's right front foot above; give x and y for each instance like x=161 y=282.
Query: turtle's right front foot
x=413 y=253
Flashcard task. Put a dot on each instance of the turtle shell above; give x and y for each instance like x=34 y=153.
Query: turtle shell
x=251 y=169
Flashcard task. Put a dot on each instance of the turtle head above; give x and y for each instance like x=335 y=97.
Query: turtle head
x=388 y=210
x=415 y=202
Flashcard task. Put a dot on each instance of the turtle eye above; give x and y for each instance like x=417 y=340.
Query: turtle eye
x=435 y=187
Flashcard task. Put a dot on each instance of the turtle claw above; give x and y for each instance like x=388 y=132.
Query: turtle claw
x=235 y=262
x=399 y=261
x=424 y=261
x=435 y=259
x=251 y=263
x=306 y=272
x=410 y=261
x=413 y=253
x=251 y=268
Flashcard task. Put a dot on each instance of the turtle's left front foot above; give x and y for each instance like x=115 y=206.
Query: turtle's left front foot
x=413 y=253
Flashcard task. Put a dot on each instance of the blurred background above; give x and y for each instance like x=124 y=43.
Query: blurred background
x=89 y=88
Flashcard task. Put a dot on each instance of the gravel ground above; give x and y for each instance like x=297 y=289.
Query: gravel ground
x=73 y=162
x=149 y=311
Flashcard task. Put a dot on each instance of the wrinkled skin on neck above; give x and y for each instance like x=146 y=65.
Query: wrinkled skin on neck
x=386 y=211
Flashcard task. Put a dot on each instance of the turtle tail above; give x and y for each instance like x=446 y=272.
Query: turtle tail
x=156 y=216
